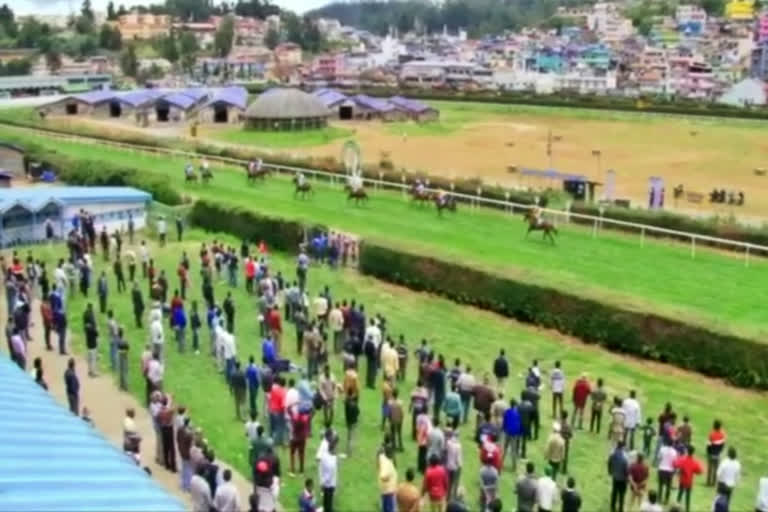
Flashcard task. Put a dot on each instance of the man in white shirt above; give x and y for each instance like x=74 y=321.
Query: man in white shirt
x=220 y=335
x=761 y=504
x=328 y=470
x=557 y=381
x=144 y=255
x=62 y=283
x=251 y=428
x=632 y=418
x=466 y=385
x=230 y=353
x=156 y=334
x=227 y=499
x=200 y=492
x=728 y=473
x=320 y=308
x=161 y=230
x=546 y=492
x=336 y=324
x=667 y=456
x=373 y=333
x=652 y=503
x=155 y=373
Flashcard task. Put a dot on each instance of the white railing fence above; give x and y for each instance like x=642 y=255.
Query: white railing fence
x=597 y=222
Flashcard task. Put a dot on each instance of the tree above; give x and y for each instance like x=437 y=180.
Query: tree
x=168 y=48
x=110 y=38
x=111 y=15
x=311 y=36
x=272 y=38
x=8 y=21
x=30 y=34
x=53 y=60
x=713 y=7
x=129 y=63
x=86 y=11
x=225 y=36
x=188 y=49
x=189 y=10
x=121 y=11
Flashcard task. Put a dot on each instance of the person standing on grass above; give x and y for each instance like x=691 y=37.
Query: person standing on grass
x=162 y=230
x=484 y=397
x=454 y=461
x=513 y=431
x=72 y=385
x=466 y=387
x=419 y=404
x=91 y=343
x=452 y=408
x=179 y=228
x=351 y=416
x=276 y=402
x=122 y=359
x=252 y=380
x=715 y=445
x=387 y=481
x=728 y=473
x=687 y=466
x=328 y=470
x=546 y=491
x=130 y=258
x=408 y=495
x=557 y=382
x=179 y=321
x=119 y=276
x=618 y=470
x=200 y=491
x=632 y=418
x=336 y=325
x=137 y=301
x=555 y=451
x=581 y=392
x=300 y=425
x=307 y=498
x=165 y=420
x=526 y=490
x=598 y=398
x=184 y=438
x=501 y=370
x=435 y=485
x=396 y=415
x=667 y=456
x=156 y=333
x=638 y=481
x=570 y=497
x=46 y=314
x=227 y=498
x=238 y=386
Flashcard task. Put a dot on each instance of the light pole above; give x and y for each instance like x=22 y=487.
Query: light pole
x=598 y=156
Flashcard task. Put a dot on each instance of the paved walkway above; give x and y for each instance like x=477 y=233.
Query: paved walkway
x=107 y=405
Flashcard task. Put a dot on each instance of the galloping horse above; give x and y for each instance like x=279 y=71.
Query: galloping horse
x=547 y=228
x=189 y=175
x=446 y=203
x=359 y=195
x=302 y=189
x=420 y=196
x=255 y=171
x=206 y=174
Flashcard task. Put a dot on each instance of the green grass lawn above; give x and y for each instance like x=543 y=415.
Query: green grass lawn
x=458 y=332
x=714 y=289
x=298 y=139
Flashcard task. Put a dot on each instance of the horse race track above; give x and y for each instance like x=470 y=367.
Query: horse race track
x=714 y=290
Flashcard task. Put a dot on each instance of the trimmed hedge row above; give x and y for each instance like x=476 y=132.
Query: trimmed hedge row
x=280 y=234
x=80 y=171
x=741 y=361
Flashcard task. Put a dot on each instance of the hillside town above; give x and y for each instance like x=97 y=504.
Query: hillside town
x=596 y=49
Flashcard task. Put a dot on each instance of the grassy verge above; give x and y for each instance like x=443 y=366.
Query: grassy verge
x=457 y=332
x=280 y=140
x=713 y=290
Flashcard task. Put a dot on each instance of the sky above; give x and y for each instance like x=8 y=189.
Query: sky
x=23 y=7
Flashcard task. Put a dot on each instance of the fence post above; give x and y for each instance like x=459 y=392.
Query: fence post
x=746 y=257
x=594 y=229
x=507 y=206
x=402 y=182
x=693 y=247
x=479 y=193
x=642 y=237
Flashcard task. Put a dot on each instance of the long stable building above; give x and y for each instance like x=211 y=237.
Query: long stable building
x=144 y=106
x=54 y=461
x=24 y=211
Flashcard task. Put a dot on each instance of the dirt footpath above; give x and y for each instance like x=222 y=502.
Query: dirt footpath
x=107 y=405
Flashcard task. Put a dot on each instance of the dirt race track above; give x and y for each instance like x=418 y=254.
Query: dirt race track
x=701 y=155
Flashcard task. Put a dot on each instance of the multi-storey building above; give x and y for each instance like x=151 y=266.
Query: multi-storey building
x=136 y=25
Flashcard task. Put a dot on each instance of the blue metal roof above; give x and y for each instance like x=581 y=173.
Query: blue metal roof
x=236 y=96
x=52 y=460
x=376 y=104
x=34 y=198
x=179 y=100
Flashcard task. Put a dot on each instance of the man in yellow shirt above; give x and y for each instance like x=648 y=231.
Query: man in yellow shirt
x=387 y=481
x=408 y=495
x=390 y=362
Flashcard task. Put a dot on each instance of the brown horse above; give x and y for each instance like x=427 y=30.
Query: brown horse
x=304 y=190
x=359 y=195
x=253 y=173
x=206 y=174
x=421 y=197
x=447 y=203
x=547 y=228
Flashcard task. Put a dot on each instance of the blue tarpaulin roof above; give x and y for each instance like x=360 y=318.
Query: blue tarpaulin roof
x=51 y=460
x=409 y=105
x=34 y=198
x=552 y=174
x=179 y=100
x=376 y=104
x=236 y=96
x=330 y=97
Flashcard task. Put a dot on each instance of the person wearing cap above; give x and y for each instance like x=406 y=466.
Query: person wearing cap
x=546 y=491
x=555 y=451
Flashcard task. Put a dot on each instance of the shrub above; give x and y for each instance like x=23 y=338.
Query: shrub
x=741 y=361
x=280 y=234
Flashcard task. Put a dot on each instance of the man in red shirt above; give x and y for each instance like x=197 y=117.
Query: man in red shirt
x=638 y=481
x=277 y=412
x=687 y=466
x=581 y=391
x=250 y=274
x=490 y=453
x=299 y=434
x=275 y=324
x=435 y=485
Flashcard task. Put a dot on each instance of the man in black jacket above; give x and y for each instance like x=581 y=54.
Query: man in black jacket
x=501 y=370
x=618 y=470
x=138 y=304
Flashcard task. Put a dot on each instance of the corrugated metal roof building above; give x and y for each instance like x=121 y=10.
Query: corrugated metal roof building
x=53 y=461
